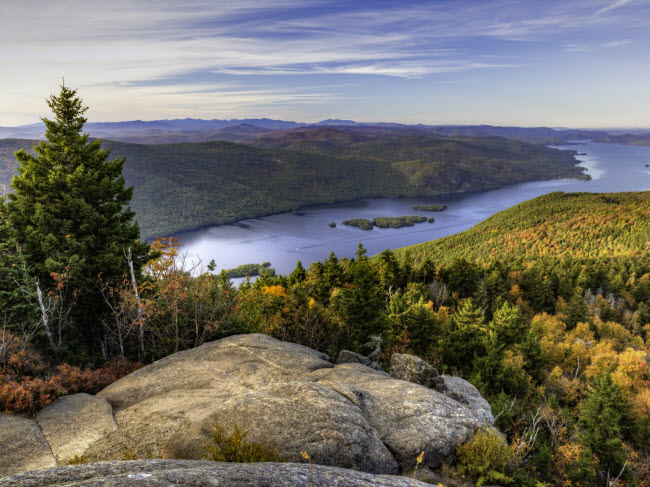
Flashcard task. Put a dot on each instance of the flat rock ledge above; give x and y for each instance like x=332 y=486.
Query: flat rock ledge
x=163 y=473
x=284 y=395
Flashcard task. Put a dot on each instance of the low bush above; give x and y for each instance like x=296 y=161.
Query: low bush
x=28 y=383
x=486 y=457
x=234 y=447
x=78 y=460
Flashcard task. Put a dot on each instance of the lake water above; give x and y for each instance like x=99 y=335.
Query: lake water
x=286 y=238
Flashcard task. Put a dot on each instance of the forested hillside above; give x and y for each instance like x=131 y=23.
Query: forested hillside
x=627 y=139
x=185 y=186
x=557 y=225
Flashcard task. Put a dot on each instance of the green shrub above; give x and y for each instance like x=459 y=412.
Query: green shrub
x=233 y=447
x=78 y=460
x=486 y=457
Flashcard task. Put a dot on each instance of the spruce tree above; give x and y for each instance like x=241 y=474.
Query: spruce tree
x=69 y=210
x=467 y=335
x=360 y=303
x=603 y=419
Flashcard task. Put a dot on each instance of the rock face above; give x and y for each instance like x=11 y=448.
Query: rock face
x=348 y=357
x=72 y=423
x=22 y=446
x=164 y=473
x=412 y=369
x=464 y=392
x=284 y=395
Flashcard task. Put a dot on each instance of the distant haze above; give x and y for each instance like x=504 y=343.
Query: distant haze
x=581 y=63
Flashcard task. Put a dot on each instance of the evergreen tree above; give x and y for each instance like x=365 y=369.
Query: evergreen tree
x=467 y=335
x=508 y=324
x=576 y=311
x=427 y=271
x=299 y=274
x=12 y=271
x=389 y=270
x=359 y=303
x=603 y=418
x=70 y=213
x=463 y=277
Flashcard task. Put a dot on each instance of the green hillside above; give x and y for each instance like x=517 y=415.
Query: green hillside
x=185 y=186
x=559 y=225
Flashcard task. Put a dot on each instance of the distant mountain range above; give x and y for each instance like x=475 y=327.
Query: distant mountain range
x=247 y=130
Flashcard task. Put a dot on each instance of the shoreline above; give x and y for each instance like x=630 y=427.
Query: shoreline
x=352 y=200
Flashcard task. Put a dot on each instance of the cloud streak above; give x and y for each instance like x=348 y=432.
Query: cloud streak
x=266 y=50
x=616 y=4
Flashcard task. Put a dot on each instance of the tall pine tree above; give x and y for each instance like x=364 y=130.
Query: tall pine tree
x=69 y=210
x=603 y=419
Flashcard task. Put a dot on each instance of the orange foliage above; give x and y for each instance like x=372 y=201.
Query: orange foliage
x=28 y=383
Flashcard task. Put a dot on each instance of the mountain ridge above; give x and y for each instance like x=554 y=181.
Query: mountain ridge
x=190 y=185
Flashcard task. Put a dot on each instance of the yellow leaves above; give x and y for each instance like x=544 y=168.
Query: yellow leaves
x=549 y=327
x=632 y=373
x=420 y=458
x=419 y=461
x=274 y=290
x=615 y=333
x=513 y=364
x=512 y=360
x=165 y=264
x=515 y=293
x=443 y=314
x=641 y=403
x=552 y=333
x=311 y=303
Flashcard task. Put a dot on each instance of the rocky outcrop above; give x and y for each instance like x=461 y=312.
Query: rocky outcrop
x=22 y=446
x=72 y=423
x=463 y=391
x=409 y=418
x=348 y=357
x=412 y=369
x=167 y=473
x=284 y=395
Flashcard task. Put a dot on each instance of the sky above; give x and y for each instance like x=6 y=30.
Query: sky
x=558 y=63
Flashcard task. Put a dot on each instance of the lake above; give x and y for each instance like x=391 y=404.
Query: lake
x=285 y=238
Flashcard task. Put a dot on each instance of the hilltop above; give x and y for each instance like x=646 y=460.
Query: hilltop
x=189 y=185
x=556 y=225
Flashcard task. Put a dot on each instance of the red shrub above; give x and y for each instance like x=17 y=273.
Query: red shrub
x=28 y=384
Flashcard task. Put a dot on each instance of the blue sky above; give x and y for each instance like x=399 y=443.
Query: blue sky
x=556 y=63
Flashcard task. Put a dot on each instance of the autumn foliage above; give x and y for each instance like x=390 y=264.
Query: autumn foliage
x=28 y=383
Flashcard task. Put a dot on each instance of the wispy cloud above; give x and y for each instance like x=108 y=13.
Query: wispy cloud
x=612 y=6
x=622 y=42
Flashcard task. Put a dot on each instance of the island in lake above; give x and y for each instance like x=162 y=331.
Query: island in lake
x=430 y=207
x=387 y=222
x=251 y=270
